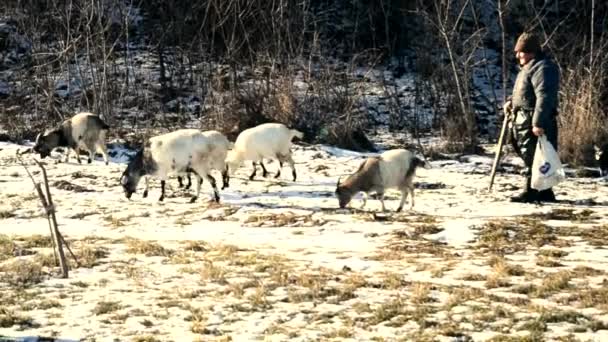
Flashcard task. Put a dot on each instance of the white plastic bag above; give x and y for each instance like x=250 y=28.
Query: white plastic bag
x=547 y=170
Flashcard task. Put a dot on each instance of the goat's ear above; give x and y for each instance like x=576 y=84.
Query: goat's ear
x=38 y=138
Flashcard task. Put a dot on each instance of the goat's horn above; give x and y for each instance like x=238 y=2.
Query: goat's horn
x=338 y=181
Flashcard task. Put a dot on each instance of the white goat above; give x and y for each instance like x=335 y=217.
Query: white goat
x=217 y=162
x=271 y=140
x=82 y=131
x=174 y=153
x=392 y=169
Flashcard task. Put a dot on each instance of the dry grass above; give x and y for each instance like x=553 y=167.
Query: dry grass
x=9 y=318
x=105 y=307
x=21 y=273
x=213 y=272
x=149 y=248
x=553 y=283
x=283 y=219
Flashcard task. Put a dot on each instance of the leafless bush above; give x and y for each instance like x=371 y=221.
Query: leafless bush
x=582 y=117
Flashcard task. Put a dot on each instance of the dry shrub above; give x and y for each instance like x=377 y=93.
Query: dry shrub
x=328 y=110
x=582 y=117
x=22 y=273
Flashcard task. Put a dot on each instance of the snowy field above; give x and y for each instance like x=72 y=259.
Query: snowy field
x=277 y=260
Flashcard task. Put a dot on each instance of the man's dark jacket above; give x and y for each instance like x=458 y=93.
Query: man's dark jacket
x=534 y=101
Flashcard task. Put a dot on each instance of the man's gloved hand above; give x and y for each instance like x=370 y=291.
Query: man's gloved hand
x=508 y=110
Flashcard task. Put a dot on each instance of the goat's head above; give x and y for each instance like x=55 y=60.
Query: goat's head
x=131 y=176
x=601 y=155
x=344 y=194
x=45 y=142
x=233 y=162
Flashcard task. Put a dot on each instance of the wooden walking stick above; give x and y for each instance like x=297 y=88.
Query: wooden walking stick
x=501 y=141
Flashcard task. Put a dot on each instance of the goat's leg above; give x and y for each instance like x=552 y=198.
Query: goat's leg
x=189 y=181
x=280 y=159
x=180 y=182
x=67 y=154
x=411 y=189
x=77 y=151
x=225 y=178
x=162 y=190
x=254 y=171
x=216 y=195
x=145 y=194
x=211 y=180
x=91 y=155
x=199 y=182
x=403 y=198
x=292 y=164
x=264 y=171
x=104 y=151
x=364 y=201
x=381 y=198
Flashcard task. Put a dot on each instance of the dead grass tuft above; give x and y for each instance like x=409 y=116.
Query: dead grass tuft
x=7 y=213
x=8 y=248
x=589 y=297
x=421 y=293
x=561 y=214
x=553 y=283
x=145 y=338
x=212 y=272
x=35 y=241
x=9 y=318
x=195 y=246
x=503 y=237
x=283 y=219
x=149 y=248
x=22 y=273
x=89 y=256
x=104 y=307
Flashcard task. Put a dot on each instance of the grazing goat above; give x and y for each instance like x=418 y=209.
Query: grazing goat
x=217 y=162
x=392 y=169
x=82 y=131
x=270 y=140
x=601 y=155
x=186 y=150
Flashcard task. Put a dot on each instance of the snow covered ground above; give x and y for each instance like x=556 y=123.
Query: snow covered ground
x=277 y=260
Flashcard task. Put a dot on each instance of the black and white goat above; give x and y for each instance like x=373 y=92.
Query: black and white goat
x=185 y=150
x=82 y=131
x=601 y=155
x=392 y=169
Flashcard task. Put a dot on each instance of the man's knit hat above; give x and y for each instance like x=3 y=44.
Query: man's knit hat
x=528 y=42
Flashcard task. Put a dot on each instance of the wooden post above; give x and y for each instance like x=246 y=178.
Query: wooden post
x=50 y=211
x=501 y=141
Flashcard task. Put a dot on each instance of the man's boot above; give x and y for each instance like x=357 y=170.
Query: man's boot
x=546 y=196
x=529 y=195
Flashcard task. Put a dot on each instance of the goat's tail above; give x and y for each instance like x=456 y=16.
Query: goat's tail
x=296 y=133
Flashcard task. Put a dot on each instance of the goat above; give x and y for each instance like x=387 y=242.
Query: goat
x=83 y=130
x=391 y=169
x=270 y=140
x=601 y=155
x=185 y=150
x=217 y=162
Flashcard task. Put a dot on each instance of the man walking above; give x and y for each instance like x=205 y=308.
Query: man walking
x=533 y=108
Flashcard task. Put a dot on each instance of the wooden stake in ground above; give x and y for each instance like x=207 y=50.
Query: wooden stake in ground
x=49 y=208
x=501 y=141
